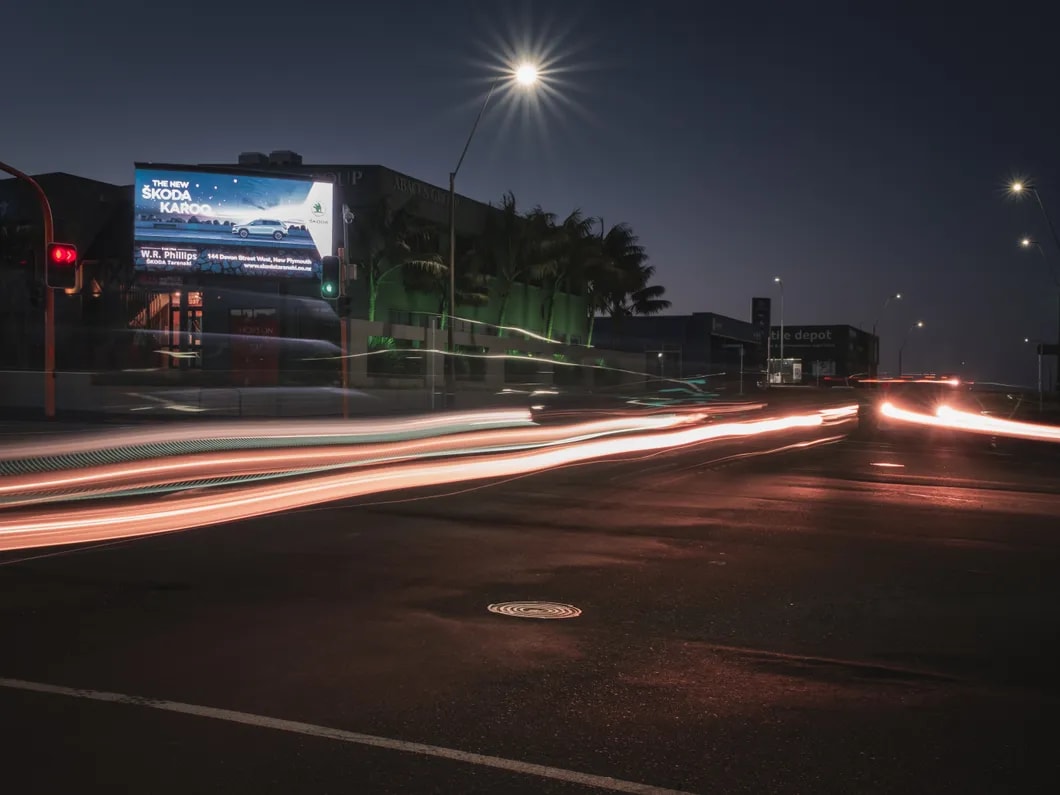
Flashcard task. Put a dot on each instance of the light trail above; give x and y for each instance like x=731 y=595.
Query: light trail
x=953 y=419
x=17 y=490
x=275 y=432
x=45 y=526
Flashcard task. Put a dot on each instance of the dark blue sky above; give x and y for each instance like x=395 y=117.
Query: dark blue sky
x=852 y=153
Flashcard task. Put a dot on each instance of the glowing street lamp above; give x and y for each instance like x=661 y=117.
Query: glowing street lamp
x=1018 y=188
x=918 y=324
x=1029 y=243
x=526 y=75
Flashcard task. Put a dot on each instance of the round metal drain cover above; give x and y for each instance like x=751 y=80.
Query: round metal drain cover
x=535 y=610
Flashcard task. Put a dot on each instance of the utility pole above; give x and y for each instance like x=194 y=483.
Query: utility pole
x=49 y=294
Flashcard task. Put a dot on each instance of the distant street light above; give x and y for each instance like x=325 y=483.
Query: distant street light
x=901 y=350
x=525 y=75
x=1028 y=243
x=780 y=282
x=875 y=338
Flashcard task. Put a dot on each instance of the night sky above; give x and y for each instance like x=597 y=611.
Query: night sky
x=852 y=154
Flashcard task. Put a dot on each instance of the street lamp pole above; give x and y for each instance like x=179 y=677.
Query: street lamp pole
x=901 y=349
x=1027 y=243
x=450 y=359
x=1016 y=189
x=1040 y=390
x=875 y=337
x=526 y=75
x=780 y=281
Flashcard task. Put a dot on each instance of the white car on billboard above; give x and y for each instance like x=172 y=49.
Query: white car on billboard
x=261 y=227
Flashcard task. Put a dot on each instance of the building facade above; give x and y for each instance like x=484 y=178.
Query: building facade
x=231 y=327
x=825 y=352
x=704 y=345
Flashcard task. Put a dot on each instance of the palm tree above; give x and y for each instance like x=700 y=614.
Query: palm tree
x=618 y=279
x=646 y=299
x=472 y=288
x=649 y=301
x=507 y=251
x=567 y=252
x=618 y=253
x=392 y=241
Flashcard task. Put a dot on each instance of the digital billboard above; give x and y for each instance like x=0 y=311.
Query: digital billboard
x=189 y=220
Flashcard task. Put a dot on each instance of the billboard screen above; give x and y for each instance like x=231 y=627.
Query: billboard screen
x=189 y=220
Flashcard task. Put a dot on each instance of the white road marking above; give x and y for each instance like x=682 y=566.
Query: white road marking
x=74 y=551
x=296 y=727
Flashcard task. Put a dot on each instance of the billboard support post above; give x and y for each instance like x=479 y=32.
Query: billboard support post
x=49 y=295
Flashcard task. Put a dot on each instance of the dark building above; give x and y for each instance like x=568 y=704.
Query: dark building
x=126 y=318
x=703 y=344
x=821 y=352
x=363 y=188
x=97 y=218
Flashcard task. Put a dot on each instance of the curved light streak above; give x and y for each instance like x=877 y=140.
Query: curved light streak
x=275 y=431
x=953 y=419
x=157 y=472
x=68 y=525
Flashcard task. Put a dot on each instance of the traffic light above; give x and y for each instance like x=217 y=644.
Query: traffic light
x=61 y=270
x=329 y=277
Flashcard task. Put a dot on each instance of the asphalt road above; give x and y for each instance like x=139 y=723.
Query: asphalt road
x=802 y=621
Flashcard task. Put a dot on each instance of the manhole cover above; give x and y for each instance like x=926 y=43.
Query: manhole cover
x=535 y=610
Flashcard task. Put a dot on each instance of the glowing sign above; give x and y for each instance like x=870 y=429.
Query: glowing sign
x=191 y=220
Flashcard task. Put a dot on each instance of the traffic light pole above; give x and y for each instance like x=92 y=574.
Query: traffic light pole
x=49 y=294
x=344 y=342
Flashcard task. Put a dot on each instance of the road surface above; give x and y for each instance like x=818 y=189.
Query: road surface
x=802 y=621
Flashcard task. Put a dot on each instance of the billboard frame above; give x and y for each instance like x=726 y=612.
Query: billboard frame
x=201 y=246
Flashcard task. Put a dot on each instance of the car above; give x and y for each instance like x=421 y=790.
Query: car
x=261 y=227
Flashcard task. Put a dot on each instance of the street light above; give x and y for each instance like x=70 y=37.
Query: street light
x=1039 y=343
x=918 y=324
x=779 y=281
x=1019 y=188
x=1028 y=243
x=875 y=338
x=526 y=75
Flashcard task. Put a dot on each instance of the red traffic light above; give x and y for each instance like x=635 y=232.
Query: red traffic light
x=62 y=271
x=62 y=253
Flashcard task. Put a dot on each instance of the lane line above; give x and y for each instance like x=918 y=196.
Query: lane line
x=312 y=730
x=74 y=551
